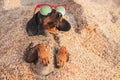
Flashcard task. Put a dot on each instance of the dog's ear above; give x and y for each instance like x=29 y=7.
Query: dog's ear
x=64 y=25
x=32 y=25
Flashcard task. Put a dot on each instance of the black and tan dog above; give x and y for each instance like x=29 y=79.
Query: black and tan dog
x=40 y=24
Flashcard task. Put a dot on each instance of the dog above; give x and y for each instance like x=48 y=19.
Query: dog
x=53 y=22
x=36 y=54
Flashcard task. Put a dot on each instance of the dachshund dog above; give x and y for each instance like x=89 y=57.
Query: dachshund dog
x=36 y=54
x=40 y=24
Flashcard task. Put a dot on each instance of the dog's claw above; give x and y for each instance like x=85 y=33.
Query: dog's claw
x=45 y=61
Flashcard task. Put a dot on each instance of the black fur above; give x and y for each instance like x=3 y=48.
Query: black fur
x=34 y=26
x=64 y=26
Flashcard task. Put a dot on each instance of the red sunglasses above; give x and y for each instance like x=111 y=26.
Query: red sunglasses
x=45 y=9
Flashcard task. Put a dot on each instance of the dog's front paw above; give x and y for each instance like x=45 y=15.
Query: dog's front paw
x=42 y=54
x=61 y=57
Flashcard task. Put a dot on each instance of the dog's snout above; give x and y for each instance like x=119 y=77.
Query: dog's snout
x=58 y=15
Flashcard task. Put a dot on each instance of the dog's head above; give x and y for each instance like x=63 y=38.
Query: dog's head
x=49 y=23
x=51 y=20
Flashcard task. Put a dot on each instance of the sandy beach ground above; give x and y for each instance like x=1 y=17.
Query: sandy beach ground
x=93 y=41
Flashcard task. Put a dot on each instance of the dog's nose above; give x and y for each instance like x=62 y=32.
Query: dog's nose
x=58 y=15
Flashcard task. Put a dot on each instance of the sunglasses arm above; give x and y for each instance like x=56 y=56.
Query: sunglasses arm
x=37 y=6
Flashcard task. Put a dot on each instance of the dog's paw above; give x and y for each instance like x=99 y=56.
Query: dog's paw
x=61 y=57
x=42 y=54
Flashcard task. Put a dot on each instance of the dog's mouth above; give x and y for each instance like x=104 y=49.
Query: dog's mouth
x=54 y=23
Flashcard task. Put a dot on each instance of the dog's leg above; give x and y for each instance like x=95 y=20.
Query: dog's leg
x=61 y=57
x=42 y=54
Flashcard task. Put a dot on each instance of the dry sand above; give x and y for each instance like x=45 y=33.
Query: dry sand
x=94 y=51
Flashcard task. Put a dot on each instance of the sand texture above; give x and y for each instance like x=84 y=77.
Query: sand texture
x=93 y=42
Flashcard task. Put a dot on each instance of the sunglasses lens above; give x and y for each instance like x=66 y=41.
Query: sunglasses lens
x=61 y=10
x=45 y=10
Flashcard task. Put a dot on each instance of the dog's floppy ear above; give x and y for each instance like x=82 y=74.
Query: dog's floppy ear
x=64 y=26
x=32 y=25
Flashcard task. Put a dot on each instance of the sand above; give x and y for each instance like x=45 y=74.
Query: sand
x=93 y=41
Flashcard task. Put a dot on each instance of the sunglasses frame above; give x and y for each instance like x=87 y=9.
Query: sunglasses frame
x=51 y=6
